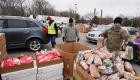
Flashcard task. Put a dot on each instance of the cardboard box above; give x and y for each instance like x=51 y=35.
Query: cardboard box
x=3 y=52
x=19 y=71
x=59 y=77
x=49 y=74
x=29 y=74
x=69 y=51
x=16 y=68
x=29 y=77
x=50 y=69
x=56 y=77
x=81 y=74
x=56 y=67
x=48 y=63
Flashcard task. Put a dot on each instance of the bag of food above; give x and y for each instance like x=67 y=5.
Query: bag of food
x=123 y=79
x=128 y=75
x=90 y=59
x=109 y=55
x=97 y=60
x=119 y=67
x=10 y=62
x=86 y=56
x=102 y=55
x=84 y=65
x=106 y=71
x=104 y=77
x=100 y=42
x=129 y=67
x=94 y=72
x=26 y=59
x=118 y=60
x=80 y=56
x=107 y=63
x=114 y=77
x=128 y=53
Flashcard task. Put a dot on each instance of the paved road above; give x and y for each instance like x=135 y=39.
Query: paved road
x=17 y=52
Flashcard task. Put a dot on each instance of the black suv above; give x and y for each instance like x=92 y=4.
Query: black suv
x=23 y=32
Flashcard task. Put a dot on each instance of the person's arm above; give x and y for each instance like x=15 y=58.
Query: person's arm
x=104 y=34
x=56 y=28
x=125 y=36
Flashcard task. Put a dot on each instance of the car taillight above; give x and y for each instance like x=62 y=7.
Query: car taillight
x=45 y=30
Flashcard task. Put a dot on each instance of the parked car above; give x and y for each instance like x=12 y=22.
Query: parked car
x=94 y=35
x=131 y=30
x=23 y=32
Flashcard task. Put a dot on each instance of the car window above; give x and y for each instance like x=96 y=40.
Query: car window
x=1 y=23
x=133 y=29
x=17 y=24
x=32 y=24
x=40 y=24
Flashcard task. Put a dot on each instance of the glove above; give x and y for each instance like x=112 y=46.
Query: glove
x=63 y=39
x=78 y=39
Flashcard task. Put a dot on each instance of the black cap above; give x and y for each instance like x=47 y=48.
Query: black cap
x=118 y=20
x=70 y=20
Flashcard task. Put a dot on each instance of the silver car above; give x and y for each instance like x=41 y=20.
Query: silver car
x=93 y=36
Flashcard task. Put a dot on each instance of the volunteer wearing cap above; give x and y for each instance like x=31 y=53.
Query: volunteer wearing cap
x=70 y=33
x=115 y=36
x=52 y=30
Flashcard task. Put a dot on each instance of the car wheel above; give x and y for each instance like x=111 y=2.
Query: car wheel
x=34 y=45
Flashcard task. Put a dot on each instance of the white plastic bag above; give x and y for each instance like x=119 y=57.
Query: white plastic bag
x=100 y=42
x=97 y=60
x=114 y=77
x=93 y=71
x=128 y=53
x=90 y=59
x=84 y=65
x=80 y=56
x=129 y=67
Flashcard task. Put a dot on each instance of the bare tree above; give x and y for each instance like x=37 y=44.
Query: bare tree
x=42 y=7
x=12 y=7
x=89 y=16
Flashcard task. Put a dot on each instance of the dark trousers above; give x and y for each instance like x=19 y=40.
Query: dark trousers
x=135 y=51
x=53 y=38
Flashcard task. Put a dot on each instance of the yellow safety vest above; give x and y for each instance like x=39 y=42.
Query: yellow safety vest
x=51 y=29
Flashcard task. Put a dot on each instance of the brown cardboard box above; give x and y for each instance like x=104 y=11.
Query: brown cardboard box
x=3 y=52
x=19 y=72
x=69 y=51
x=16 y=68
x=48 y=63
x=81 y=74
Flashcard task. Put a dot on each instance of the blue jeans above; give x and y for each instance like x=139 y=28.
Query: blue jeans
x=52 y=38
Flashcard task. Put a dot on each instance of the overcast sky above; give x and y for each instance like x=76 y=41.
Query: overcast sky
x=110 y=7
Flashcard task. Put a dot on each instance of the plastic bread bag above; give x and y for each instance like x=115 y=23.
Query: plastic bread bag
x=94 y=71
